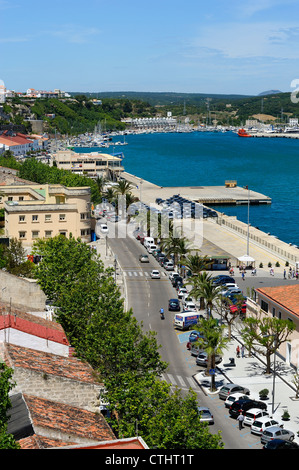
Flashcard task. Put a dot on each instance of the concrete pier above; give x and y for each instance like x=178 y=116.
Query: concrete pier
x=148 y=192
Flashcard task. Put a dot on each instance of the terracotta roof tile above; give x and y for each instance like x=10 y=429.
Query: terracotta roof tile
x=52 y=364
x=50 y=417
x=286 y=296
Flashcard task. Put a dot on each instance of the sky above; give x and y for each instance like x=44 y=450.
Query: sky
x=191 y=46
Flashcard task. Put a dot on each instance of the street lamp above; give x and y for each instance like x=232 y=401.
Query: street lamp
x=115 y=266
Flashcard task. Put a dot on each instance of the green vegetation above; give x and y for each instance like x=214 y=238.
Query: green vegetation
x=110 y=339
x=7 y=440
x=79 y=114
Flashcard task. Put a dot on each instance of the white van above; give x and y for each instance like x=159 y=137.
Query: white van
x=148 y=241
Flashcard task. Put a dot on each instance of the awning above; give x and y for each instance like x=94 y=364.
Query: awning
x=246 y=258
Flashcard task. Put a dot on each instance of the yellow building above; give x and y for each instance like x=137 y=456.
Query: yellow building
x=93 y=164
x=45 y=210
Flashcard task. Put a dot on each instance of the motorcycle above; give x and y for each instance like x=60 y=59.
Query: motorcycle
x=162 y=314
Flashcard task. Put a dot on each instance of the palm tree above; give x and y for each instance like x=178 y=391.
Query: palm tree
x=204 y=289
x=176 y=246
x=196 y=263
x=123 y=187
x=213 y=342
x=109 y=195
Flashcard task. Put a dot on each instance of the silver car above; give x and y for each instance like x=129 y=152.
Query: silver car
x=276 y=432
x=205 y=414
x=202 y=359
x=227 y=389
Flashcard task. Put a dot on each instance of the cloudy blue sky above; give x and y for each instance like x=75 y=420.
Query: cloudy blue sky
x=187 y=46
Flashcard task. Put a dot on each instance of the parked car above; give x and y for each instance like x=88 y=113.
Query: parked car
x=173 y=275
x=205 y=414
x=227 y=389
x=260 y=424
x=244 y=405
x=222 y=279
x=155 y=274
x=189 y=306
x=176 y=281
x=182 y=293
x=144 y=259
x=276 y=432
x=234 y=397
x=281 y=444
x=174 y=305
x=151 y=248
x=202 y=359
x=193 y=337
x=253 y=414
x=169 y=266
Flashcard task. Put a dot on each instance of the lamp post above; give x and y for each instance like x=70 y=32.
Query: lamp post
x=248 y=203
x=115 y=266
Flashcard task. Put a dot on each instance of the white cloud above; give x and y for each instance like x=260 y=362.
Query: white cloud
x=75 y=34
x=249 y=40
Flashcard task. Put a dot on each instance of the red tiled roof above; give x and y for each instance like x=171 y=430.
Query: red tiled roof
x=51 y=364
x=32 y=324
x=40 y=442
x=50 y=417
x=286 y=296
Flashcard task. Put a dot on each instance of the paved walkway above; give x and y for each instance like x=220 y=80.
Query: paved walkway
x=250 y=372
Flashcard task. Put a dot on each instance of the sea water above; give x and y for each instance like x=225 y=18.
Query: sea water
x=266 y=165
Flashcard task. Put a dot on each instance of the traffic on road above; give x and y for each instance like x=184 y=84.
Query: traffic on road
x=179 y=313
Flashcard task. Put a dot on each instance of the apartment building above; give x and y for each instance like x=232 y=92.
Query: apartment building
x=93 y=164
x=35 y=211
x=280 y=302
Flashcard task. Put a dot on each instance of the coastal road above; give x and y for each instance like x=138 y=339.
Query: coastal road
x=146 y=296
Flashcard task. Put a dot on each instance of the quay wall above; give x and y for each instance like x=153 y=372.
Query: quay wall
x=283 y=251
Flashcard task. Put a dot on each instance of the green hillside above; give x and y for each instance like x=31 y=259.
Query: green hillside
x=79 y=114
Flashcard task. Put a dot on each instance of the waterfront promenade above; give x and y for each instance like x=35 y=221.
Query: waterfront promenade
x=226 y=232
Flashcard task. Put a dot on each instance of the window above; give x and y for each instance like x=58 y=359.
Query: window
x=35 y=218
x=35 y=234
x=48 y=218
x=10 y=198
x=48 y=233
x=21 y=198
x=21 y=218
x=264 y=306
x=22 y=235
x=273 y=312
x=62 y=217
x=84 y=232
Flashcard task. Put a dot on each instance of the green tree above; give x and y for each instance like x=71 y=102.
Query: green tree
x=164 y=419
x=213 y=341
x=204 y=289
x=266 y=334
x=16 y=261
x=7 y=440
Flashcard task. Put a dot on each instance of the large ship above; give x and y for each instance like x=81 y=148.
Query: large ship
x=243 y=133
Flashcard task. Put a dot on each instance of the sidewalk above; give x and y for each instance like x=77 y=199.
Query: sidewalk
x=249 y=371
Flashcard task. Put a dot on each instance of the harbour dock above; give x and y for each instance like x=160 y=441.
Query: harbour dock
x=215 y=195
x=225 y=235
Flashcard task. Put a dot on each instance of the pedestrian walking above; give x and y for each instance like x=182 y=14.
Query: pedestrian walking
x=243 y=275
x=284 y=274
x=240 y=418
x=243 y=350
x=238 y=351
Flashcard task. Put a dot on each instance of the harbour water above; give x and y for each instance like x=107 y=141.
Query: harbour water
x=269 y=166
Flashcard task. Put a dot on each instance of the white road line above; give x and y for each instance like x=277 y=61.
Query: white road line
x=171 y=378
x=180 y=379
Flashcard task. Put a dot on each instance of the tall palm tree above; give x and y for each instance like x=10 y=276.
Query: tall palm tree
x=213 y=341
x=123 y=187
x=196 y=263
x=174 y=245
x=203 y=288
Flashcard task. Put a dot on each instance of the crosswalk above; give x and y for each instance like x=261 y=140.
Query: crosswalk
x=145 y=274
x=179 y=381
